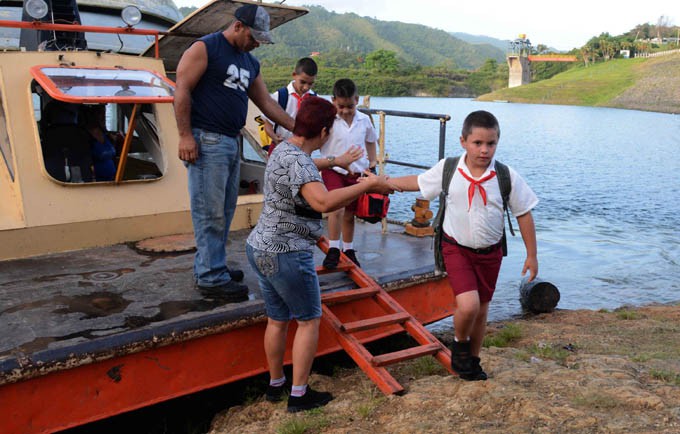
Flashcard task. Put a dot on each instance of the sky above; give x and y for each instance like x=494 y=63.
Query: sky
x=562 y=25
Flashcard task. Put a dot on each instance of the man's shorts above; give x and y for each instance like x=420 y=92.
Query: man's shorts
x=333 y=180
x=470 y=271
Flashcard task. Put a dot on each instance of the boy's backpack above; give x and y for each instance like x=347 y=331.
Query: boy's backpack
x=283 y=99
x=283 y=103
x=503 y=176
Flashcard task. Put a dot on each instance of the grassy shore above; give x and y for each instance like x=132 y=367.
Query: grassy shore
x=651 y=84
x=568 y=371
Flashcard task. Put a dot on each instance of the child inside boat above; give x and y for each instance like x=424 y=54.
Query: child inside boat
x=351 y=128
x=290 y=97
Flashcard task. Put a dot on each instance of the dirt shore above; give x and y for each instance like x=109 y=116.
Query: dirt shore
x=565 y=372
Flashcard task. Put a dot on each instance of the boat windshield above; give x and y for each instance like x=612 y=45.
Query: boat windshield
x=102 y=85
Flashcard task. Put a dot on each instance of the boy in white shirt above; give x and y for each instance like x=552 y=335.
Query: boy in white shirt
x=351 y=128
x=473 y=227
x=304 y=76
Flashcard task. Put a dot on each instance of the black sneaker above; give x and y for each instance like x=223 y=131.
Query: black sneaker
x=231 y=292
x=275 y=393
x=332 y=258
x=236 y=275
x=352 y=255
x=461 y=359
x=311 y=399
x=477 y=374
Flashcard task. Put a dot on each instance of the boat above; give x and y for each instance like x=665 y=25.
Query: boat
x=97 y=302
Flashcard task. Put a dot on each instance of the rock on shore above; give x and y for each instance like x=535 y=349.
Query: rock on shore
x=564 y=372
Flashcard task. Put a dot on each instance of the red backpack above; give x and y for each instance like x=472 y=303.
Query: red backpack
x=372 y=207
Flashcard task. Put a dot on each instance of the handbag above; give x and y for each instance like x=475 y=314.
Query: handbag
x=372 y=207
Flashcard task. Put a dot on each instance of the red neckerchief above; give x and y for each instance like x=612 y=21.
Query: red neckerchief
x=299 y=98
x=473 y=183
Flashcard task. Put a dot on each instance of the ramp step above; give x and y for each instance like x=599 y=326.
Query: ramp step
x=356 y=350
x=379 y=321
x=350 y=295
x=342 y=267
x=407 y=354
x=367 y=287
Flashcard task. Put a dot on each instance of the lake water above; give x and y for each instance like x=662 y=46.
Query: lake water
x=609 y=187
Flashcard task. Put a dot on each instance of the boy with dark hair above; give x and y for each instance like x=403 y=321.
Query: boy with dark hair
x=289 y=98
x=473 y=229
x=351 y=128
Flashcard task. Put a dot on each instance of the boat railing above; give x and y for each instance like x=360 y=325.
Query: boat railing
x=382 y=156
x=128 y=30
x=382 y=114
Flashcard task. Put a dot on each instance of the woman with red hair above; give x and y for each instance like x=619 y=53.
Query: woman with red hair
x=280 y=247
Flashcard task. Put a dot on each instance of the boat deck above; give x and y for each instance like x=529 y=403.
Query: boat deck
x=64 y=308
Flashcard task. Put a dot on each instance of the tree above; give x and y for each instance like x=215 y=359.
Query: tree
x=541 y=48
x=339 y=58
x=662 y=25
x=382 y=60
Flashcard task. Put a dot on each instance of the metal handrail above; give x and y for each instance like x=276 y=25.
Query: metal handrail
x=381 y=139
x=39 y=25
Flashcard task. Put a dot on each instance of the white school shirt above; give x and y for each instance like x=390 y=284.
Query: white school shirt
x=481 y=226
x=343 y=136
x=291 y=109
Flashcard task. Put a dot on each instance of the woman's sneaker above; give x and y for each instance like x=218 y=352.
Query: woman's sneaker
x=275 y=393
x=311 y=399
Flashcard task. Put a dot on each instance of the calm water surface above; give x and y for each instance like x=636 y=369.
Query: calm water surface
x=609 y=187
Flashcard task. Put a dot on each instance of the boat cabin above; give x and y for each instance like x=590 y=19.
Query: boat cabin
x=88 y=138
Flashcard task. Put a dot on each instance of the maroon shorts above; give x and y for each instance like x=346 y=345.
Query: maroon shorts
x=334 y=180
x=470 y=271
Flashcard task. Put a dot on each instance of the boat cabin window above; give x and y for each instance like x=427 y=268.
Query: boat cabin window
x=99 y=125
x=92 y=85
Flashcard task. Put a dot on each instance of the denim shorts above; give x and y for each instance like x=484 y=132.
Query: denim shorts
x=288 y=282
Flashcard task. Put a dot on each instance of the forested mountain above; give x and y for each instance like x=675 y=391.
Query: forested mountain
x=349 y=37
x=501 y=44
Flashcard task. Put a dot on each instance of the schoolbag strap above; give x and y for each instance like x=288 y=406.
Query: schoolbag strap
x=449 y=167
x=505 y=184
x=438 y=223
x=283 y=101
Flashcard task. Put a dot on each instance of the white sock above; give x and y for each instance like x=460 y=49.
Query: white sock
x=334 y=243
x=278 y=381
x=298 y=390
x=347 y=246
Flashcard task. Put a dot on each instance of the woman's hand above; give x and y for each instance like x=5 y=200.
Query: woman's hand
x=379 y=183
x=349 y=157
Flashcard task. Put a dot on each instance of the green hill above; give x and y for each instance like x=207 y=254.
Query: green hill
x=651 y=84
x=326 y=32
x=481 y=39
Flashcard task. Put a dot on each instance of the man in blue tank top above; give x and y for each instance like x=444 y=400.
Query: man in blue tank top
x=215 y=77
